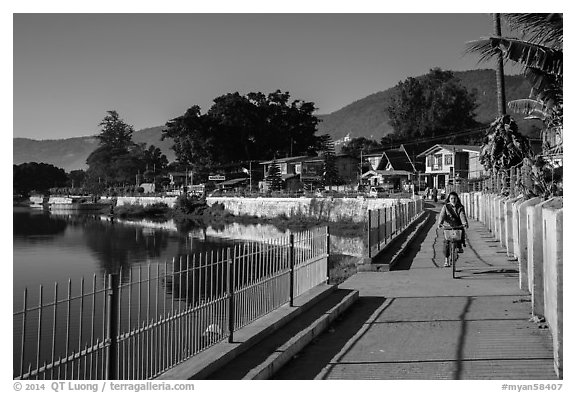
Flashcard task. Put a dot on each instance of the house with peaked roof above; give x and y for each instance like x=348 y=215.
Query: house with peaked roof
x=393 y=167
x=446 y=163
x=309 y=170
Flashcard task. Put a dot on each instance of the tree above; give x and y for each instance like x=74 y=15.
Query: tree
x=540 y=52
x=241 y=128
x=40 y=177
x=357 y=145
x=274 y=177
x=193 y=143
x=117 y=159
x=330 y=173
x=115 y=134
x=154 y=160
x=504 y=147
x=76 y=178
x=432 y=105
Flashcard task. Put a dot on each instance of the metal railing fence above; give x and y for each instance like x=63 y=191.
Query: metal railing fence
x=146 y=319
x=384 y=224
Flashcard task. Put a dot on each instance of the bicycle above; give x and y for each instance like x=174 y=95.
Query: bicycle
x=453 y=235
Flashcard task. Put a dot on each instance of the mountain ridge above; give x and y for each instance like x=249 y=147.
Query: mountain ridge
x=365 y=117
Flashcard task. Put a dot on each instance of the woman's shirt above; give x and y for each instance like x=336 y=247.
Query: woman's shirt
x=446 y=217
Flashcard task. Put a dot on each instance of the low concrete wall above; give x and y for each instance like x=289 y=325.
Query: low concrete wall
x=531 y=230
x=552 y=219
x=145 y=201
x=327 y=209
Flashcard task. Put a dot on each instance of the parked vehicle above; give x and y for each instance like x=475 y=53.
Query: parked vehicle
x=377 y=192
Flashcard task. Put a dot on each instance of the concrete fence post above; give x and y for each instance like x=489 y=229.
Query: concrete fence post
x=523 y=242
x=552 y=220
x=510 y=224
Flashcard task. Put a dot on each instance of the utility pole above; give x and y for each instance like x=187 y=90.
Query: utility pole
x=499 y=70
x=361 y=163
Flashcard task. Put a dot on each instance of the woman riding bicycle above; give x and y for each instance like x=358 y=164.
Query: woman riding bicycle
x=453 y=214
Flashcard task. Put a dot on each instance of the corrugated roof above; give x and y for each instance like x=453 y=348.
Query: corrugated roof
x=233 y=181
x=288 y=159
x=398 y=159
x=458 y=148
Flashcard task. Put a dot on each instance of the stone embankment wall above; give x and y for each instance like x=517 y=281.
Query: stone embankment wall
x=323 y=209
x=144 y=200
x=531 y=232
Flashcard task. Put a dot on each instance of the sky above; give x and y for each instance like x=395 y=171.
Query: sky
x=69 y=69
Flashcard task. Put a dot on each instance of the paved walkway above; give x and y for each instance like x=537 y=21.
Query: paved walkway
x=420 y=323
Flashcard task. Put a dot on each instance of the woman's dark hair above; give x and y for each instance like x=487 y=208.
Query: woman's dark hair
x=458 y=202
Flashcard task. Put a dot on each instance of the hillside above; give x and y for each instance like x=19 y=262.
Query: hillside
x=71 y=153
x=368 y=118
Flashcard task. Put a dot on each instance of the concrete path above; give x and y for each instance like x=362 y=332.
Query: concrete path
x=420 y=323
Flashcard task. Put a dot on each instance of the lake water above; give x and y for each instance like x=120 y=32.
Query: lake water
x=51 y=248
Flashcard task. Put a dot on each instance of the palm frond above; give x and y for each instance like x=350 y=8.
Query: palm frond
x=484 y=48
x=534 y=109
x=532 y=55
x=528 y=54
x=543 y=29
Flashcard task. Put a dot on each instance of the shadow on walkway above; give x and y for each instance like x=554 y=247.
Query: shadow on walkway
x=412 y=251
x=310 y=361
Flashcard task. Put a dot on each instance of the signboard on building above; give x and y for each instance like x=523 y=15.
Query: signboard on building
x=312 y=171
x=216 y=178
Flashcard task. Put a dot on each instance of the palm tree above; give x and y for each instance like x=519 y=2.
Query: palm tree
x=499 y=70
x=539 y=50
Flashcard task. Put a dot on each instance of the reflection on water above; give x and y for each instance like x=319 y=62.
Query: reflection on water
x=51 y=248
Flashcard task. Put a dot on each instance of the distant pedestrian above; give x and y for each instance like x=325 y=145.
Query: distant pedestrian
x=435 y=194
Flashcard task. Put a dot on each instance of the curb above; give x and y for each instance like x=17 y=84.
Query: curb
x=408 y=241
x=215 y=357
x=351 y=342
x=384 y=267
x=284 y=354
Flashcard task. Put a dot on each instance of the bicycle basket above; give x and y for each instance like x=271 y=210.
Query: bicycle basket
x=453 y=234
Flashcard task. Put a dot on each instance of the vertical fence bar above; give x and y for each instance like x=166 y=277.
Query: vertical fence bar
x=369 y=233
x=23 y=341
x=291 y=259
x=112 y=317
x=231 y=271
x=378 y=230
x=54 y=319
x=327 y=254
x=81 y=321
x=38 y=343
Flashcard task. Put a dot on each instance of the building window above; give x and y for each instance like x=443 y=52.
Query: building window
x=448 y=159
x=429 y=161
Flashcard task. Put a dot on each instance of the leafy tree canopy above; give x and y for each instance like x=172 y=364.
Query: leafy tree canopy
x=33 y=176
x=115 y=133
x=432 y=105
x=504 y=147
x=356 y=145
x=239 y=128
x=274 y=177
x=118 y=159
